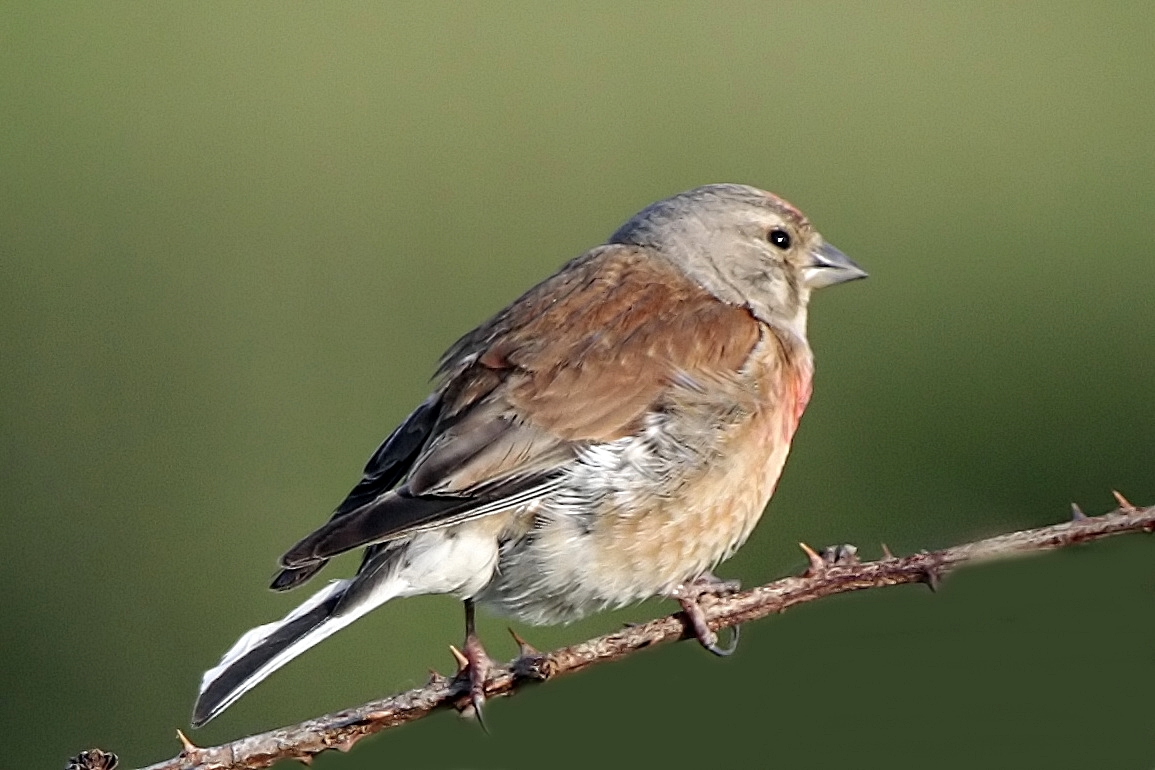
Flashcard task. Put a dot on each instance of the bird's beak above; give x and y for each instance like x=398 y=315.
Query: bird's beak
x=829 y=266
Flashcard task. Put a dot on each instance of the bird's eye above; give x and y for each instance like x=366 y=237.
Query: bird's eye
x=779 y=238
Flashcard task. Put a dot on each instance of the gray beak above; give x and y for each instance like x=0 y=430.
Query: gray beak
x=830 y=266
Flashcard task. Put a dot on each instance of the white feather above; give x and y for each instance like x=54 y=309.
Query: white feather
x=254 y=636
x=458 y=561
x=382 y=593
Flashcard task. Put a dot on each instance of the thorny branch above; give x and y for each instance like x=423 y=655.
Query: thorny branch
x=836 y=571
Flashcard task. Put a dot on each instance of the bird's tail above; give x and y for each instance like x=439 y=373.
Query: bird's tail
x=264 y=649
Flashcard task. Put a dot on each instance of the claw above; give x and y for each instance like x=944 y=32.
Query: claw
x=477 y=676
x=931 y=578
x=346 y=744
x=93 y=759
x=725 y=652
x=531 y=663
x=702 y=631
x=837 y=555
x=886 y=554
x=1077 y=513
x=473 y=663
x=689 y=594
x=709 y=583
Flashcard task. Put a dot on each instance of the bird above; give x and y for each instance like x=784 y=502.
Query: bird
x=610 y=436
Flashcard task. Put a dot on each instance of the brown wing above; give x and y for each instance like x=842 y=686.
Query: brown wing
x=587 y=353
x=579 y=359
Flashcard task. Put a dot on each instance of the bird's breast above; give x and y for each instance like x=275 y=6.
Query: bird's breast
x=642 y=514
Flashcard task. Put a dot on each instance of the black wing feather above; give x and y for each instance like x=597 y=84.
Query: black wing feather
x=384 y=470
x=395 y=515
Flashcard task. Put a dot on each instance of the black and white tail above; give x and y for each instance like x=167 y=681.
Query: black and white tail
x=264 y=649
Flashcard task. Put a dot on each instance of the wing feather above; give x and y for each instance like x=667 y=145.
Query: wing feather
x=579 y=359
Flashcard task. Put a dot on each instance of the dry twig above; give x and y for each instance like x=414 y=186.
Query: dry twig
x=835 y=571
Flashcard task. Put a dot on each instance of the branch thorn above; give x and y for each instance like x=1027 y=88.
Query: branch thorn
x=187 y=746
x=833 y=572
x=817 y=564
x=1124 y=503
x=459 y=657
x=524 y=648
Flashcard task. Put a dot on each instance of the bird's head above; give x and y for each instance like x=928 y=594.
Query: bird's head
x=746 y=246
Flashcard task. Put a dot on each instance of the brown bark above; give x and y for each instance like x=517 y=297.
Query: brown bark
x=837 y=571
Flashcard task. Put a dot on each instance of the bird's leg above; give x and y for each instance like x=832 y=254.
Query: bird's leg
x=688 y=595
x=477 y=663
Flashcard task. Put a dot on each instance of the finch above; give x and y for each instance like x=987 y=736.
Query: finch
x=610 y=436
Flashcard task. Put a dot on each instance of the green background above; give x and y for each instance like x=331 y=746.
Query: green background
x=235 y=237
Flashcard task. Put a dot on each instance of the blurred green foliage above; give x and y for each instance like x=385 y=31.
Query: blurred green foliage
x=235 y=237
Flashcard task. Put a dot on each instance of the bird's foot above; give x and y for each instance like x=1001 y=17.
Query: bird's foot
x=832 y=556
x=689 y=595
x=530 y=663
x=709 y=583
x=473 y=667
